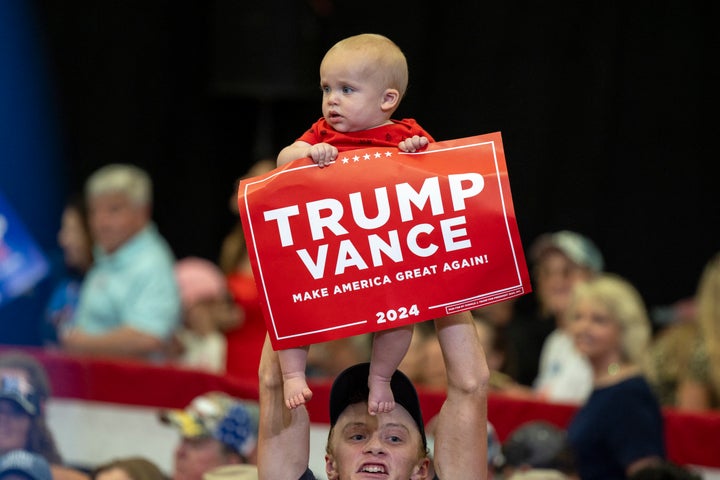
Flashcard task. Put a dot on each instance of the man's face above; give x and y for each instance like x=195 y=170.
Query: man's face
x=114 y=219
x=196 y=456
x=364 y=446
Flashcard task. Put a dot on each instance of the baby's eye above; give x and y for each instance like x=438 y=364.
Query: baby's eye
x=325 y=89
x=347 y=90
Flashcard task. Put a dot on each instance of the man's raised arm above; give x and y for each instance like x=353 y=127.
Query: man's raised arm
x=284 y=435
x=461 y=429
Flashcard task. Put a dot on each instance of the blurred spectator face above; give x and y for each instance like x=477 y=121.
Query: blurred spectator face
x=555 y=276
x=486 y=333
x=14 y=426
x=15 y=422
x=201 y=317
x=434 y=366
x=595 y=332
x=114 y=219
x=14 y=372
x=412 y=363
x=195 y=456
x=75 y=240
x=258 y=168
x=500 y=313
x=206 y=316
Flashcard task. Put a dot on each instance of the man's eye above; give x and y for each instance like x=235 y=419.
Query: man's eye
x=357 y=436
x=394 y=439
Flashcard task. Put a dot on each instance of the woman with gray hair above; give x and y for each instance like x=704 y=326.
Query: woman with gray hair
x=620 y=428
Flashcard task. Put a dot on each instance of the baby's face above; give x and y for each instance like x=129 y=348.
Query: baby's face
x=353 y=93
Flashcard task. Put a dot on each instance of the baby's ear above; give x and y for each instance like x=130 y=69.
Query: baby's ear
x=390 y=100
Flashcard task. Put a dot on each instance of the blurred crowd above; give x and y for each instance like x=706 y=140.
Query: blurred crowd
x=582 y=337
x=217 y=434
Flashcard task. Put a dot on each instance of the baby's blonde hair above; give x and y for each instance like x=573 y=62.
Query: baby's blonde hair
x=383 y=53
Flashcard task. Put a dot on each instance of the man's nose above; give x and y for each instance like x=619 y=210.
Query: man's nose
x=374 y=445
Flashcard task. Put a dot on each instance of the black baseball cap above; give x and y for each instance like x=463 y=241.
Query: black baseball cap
x=351 y=387
x=536 y=443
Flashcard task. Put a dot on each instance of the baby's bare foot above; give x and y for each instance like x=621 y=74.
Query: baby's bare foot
x=296 y=392
x=380 y=399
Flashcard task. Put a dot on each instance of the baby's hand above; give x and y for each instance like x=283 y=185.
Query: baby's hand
x=413 y=144
x=323 y=154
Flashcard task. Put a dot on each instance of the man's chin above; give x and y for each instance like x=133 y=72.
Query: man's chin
x=109 y=247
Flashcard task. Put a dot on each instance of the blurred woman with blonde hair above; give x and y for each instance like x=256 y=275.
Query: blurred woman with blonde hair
x=619 y=430
x=699 y=389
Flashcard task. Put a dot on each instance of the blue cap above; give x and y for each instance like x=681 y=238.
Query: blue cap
x=18 y=389
x=29 y=464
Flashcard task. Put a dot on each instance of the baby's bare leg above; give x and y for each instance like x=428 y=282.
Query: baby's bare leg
x=389 y=348
x=295 y=387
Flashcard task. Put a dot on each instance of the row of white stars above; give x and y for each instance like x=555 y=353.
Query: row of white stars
x=367 y=156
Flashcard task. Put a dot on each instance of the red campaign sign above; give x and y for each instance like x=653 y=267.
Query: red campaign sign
x=382 y=238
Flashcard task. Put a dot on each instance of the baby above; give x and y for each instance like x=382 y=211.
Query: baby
x=363 y=78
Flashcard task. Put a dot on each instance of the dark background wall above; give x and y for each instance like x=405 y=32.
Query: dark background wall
x=604 y=107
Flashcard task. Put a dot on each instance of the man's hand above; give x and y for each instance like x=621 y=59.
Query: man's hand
x=413 y=144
